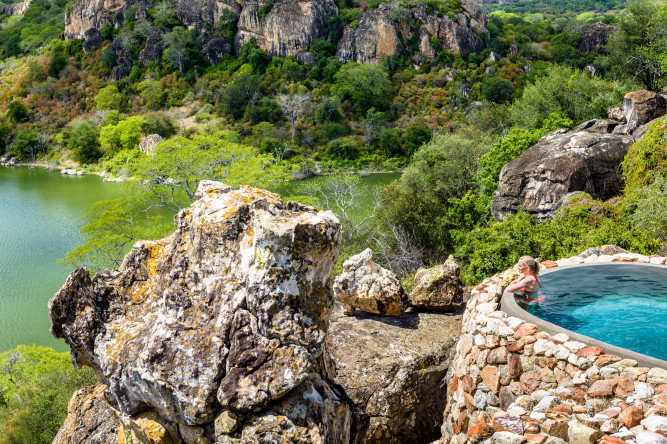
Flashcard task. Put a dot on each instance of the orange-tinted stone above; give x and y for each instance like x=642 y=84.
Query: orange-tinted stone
x=525 y=329
x=631 y=416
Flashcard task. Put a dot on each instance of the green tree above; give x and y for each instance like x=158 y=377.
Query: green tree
x=364 y=84
x=151 y=91
x=182 y=48
x=497 y=89
x=441 y=172
x=126 y=134
x=109 y=98
x=27 y=144
x=637 y=46
x=168 y=180
x=84 y=143
x=36 y=383
x=17 y=112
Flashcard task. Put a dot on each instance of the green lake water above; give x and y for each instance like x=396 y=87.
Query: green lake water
x=41 y=214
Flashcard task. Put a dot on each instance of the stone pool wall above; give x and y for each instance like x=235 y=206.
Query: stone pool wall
x=509 y=382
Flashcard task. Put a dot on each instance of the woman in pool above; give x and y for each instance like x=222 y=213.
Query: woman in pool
x=527 y=288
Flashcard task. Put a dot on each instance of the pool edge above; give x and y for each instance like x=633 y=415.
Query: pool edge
x=509 y=306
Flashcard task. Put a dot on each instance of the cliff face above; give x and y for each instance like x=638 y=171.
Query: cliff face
x=218 y=330
x=379 y=34
x=289 y=27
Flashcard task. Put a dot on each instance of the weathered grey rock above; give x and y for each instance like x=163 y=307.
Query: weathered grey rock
x=616 y=113
x=153 y=48
x=594 y=37
x=216 y=49
x=562 y=162
x=290 y=26
x=306 y=58
x=229 y=313
x=438 y=288
x=598 y=126
x=366 y=286
x=86 y=14
x=148 y=143
x=392 y=369
x=650 y=438
x=93 y=39
x=122 y=69
x=507 y=438
x=89 y=419
x=577 y=433
x=640 y=107
x=378 y=35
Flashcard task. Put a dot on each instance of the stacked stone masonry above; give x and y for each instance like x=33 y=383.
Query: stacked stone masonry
x=509 y=382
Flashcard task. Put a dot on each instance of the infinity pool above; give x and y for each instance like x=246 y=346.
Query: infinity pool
x=620 y=304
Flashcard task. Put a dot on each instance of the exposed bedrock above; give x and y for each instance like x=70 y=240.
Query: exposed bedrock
x=217 y=331
x=380 y=35
x=439 y=287
x=393 y=370
x=562 y=162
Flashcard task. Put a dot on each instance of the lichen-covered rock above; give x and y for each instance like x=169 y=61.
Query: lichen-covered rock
x=122 y=69
x=229 y=313
x=89 y=419
x=393 y=369
x=366 y=286
x=438 y=288
x=562 y=162
x=86 y=14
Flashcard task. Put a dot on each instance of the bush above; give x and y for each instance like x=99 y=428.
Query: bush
x=646 y=159
x=17 y=112
x=497 y=90
x=84 y=143
x=36 y=384
x=332 y=130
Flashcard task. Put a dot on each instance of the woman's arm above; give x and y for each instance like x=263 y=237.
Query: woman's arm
x=522 y=283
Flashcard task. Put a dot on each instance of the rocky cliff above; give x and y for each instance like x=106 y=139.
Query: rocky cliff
x=218 y=330
x=288 y=28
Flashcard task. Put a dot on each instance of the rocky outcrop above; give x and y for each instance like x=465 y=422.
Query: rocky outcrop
x=392 y=370
x=216 y=49
x=379 y=34
x=89 y=419
x=87 y=14
x=215 y=333
x=148 y=143
x=92 y=39
x=594 y=37
x=122 y=69
x=287 y=28
x=562 y=162
x=153 y=48
x=366 y=286
x=438 y=288
x=640 y=107
x=15 y=8
x=511 y=382
x=290 y=26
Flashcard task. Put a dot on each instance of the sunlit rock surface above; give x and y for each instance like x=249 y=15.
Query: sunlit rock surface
x=393 y=370
x=217 y=330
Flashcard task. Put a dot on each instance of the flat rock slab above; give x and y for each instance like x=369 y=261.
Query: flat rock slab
x=393 y=370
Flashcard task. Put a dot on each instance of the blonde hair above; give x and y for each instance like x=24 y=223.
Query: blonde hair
x=531 y=263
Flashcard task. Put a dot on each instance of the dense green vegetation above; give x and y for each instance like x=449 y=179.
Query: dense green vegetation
x=36 y=384
x=450 y=124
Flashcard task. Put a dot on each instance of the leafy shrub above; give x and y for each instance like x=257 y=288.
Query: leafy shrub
x=647 y=158
x=36 y=384
x=84 y=143
x=332 y=130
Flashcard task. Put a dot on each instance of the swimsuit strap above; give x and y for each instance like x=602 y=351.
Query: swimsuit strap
x=536 y=280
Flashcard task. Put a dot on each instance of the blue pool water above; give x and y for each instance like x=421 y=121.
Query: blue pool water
x=620 y=304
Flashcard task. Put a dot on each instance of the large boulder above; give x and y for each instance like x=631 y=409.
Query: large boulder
x=89 y=419
x=148 y=143
x=561 y=163
x=366 y=286
x=439 y=287
x=153 y=48
x=640 y=107
x=217 y=330
x=393 y=370
x=216 y=49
